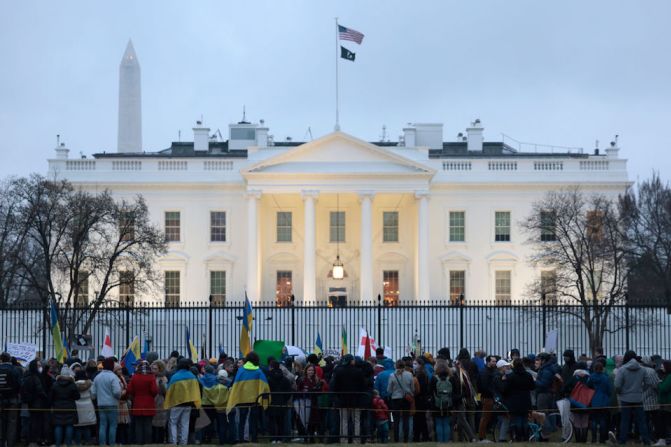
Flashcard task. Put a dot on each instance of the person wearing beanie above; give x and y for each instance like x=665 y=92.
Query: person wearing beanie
x=106 y=390
x=142 y=389
x=64 y=395
x=86 y=413
x=250 y=382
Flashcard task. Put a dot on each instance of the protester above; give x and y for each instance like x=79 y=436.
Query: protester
x=250 y=382
x=183 y=394
x=517 y=391
x=486 y=388
x=443 y=385
x=142 y=391
x=401 y=393
x=34 y=395
x=86 y=412
x=160 y=419
x=64 y=395
x=349 y=384
x=629 y=383
x=280 y=389
x=106 y=390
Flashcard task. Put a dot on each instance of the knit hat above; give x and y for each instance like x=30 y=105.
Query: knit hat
x=67 y=372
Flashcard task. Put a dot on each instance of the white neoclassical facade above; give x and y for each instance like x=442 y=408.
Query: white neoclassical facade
x=421 y=219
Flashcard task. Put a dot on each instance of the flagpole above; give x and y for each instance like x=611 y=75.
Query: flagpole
x=337 y=124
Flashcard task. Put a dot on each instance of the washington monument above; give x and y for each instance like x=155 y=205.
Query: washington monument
x=130 y=103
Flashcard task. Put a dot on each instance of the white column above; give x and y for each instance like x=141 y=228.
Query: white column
x=422 y=287
x=309 y=254
x=253 y=283
x=366 y=286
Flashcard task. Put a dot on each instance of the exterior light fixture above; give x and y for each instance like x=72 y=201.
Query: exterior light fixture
x=338 y=271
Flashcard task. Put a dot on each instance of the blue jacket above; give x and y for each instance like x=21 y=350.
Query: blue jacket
x=545 y=376
x=106 y=389
x=428 y=367
x=382 y=379
x=603 y=389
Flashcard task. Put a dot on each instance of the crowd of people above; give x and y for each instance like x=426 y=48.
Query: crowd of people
x=418 y=398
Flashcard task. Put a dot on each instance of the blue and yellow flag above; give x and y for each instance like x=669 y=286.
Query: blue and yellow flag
x=190 y=348
x=182 y=388
x=249 y=384
x=132 y=355
x=60 y=353
x=246 y=330
x=319 y=348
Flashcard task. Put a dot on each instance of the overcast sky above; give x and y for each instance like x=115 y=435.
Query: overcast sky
x=562 y=73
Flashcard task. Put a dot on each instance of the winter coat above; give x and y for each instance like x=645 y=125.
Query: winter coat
x=86 y=413
x=160 y=419
x=650 y=398
x=106 y=389
x=517 y=391
x=380 y=410
x=603 y=389
x=33 y=392
x=423 y=398
x=64 y=394
x=349 y=379
x=545 y=376
x=629 y=382
x=382 y=379
x=486 y=382
x=142 y=390
x=278 y=383
x=664 y=389
x=569 y=367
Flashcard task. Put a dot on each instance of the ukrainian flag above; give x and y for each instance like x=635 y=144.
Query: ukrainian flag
x=249 y=384
x=247 y=321
x=132 y=355
x=60 y=353
x=190 y=348
x=182 y=388
x=319 y=347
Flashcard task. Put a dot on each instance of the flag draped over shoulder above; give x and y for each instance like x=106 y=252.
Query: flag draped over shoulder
x=319 y=347
x=190 y=348
x=182 y=388
x=246 y=330
x=60 y=353
x=249 y=384
x=132 y=355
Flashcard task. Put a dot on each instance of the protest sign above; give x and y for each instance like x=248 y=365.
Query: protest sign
x=23 y=352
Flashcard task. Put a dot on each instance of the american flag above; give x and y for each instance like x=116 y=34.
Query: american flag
x=349 y=34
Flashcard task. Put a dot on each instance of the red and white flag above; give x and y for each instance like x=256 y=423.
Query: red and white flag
x=107 y=350
x=367 y=346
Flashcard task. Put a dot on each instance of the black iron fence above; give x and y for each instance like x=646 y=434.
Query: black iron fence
x=495 y=328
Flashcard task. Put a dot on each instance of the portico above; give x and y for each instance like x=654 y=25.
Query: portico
x=337 y=195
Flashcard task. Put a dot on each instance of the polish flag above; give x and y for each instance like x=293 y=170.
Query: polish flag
x=107 y=350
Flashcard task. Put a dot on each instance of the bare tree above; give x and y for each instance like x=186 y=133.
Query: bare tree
x=580 y=239
x=78 y=239
x=647 y=214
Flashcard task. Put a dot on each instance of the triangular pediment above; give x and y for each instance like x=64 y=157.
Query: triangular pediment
x=337 y=153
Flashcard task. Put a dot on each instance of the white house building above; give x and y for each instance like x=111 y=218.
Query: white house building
x=421 y=219
x=418 y=219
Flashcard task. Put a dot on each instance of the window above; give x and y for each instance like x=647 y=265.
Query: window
x=549 y=286
x=284 y=219
x=243 y=134
x=548 y=219
x=127 y=288
x=595 y=225
x=172 y=226
x=457 y=226
x=502 y=226
x=217 y=226
x=502 y=285
x=82 y=293
x=337 y=227
x=218 y=287
x=390 y=286
x=390 y=226
x=283 y=288
x=126 y=227
x=457 y=285
x=172 y=286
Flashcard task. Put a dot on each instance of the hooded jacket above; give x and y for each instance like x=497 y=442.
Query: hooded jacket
x=64 y=394
x=603 y=389
x=546 y=376
x=629 y=382
x=106 y=389
x=382 y=379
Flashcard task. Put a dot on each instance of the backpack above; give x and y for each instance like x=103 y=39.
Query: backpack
x=443 y=396
x=9 y=385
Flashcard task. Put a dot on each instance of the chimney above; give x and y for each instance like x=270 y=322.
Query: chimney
x=410 y=136
x=474 y=136
x=613 y=150
x=262 y=135
x=61 y=151
x=201 y=137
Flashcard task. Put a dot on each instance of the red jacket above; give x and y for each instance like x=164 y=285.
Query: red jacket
x=381 y=412
x=142 y=389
